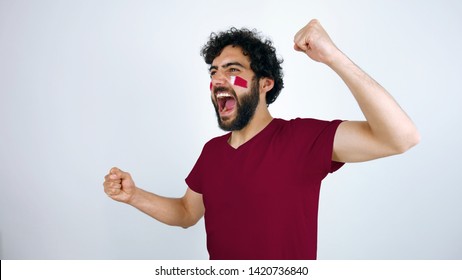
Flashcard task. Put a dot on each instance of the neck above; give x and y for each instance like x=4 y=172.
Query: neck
x=259 y=121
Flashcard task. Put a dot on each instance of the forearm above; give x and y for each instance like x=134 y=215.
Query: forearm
x=387 y=122
x=170 y=211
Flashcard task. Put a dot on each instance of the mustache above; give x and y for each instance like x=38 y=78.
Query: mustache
x=217 y=89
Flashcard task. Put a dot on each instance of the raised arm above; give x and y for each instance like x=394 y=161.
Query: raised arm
x=387 y=129
x=184 y=212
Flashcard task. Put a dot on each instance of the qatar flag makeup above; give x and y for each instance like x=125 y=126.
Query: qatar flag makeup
x=235 y=80
x=238 y=81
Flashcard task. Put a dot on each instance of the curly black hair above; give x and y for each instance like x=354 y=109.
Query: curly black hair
x=262 y=54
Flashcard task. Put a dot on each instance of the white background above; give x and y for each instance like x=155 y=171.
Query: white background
x=87 y=85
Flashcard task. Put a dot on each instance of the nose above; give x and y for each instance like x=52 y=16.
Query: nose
x=219 y=79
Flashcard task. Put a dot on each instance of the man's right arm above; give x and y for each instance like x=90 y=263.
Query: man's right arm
x=184 y=211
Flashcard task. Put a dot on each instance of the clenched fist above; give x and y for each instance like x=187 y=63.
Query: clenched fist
x=119 y=185
x=316 y=43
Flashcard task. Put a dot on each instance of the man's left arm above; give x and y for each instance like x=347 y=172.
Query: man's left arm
x=387 y=129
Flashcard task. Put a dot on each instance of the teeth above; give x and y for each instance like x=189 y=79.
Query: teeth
x=223 y=94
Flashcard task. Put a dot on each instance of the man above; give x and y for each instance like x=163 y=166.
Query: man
x=258 y=186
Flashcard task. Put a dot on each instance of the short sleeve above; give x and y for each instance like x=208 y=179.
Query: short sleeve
x=316 y=137
x=194 y=179
x=329 y=136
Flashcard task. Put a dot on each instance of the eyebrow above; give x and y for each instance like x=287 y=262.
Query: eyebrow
x=226 y=65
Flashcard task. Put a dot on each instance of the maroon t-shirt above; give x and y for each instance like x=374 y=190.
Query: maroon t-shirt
x=261 y=199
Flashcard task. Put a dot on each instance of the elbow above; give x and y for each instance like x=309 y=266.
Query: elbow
x=189 y=221
x=188 y=224
x=407 y=142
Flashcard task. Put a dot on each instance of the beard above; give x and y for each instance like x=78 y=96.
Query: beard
x=245 y=109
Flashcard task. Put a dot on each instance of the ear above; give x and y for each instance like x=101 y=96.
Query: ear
x=266 y=84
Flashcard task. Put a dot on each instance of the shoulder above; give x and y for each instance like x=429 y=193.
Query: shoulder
x=216 y=142
x=308 y=124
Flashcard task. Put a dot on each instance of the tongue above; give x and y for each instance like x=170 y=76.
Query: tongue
x=230 y=103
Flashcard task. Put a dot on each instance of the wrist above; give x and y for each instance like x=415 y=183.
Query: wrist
x=134 y=196
x=337 y=59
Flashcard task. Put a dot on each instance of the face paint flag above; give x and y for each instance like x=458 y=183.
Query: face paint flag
x=238 y=81
x=235 y=80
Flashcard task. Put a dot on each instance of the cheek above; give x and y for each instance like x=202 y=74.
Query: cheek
x=238 y=81
x=235 y=81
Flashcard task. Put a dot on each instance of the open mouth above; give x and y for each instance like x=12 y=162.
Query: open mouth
x=226 y=103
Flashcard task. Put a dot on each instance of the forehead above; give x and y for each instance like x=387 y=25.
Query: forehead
x=231 y=53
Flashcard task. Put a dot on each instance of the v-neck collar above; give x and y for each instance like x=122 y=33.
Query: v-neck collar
x=260 y=134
